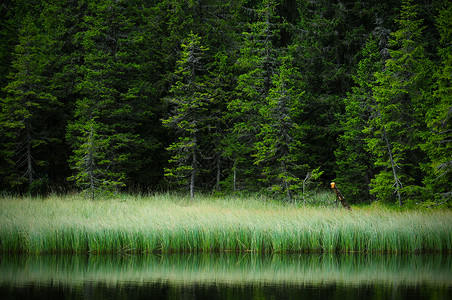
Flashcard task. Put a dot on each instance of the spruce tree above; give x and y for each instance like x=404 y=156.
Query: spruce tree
x=318 y=53
x=401 y=103
x=190 y=99
x=277 y=145
x=223 y=82
x=257 y=65
x=438 y=140
x=29 y=104
x=105 y=118
x=327 y=39
x=355 y=165
x=90 y=160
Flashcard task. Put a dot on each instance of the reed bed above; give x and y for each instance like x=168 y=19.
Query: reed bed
x=168 y=224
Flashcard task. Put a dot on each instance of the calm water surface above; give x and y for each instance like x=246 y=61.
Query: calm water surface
x=227 y=276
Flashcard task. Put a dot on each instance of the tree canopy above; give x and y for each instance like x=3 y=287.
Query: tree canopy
x=227 y=97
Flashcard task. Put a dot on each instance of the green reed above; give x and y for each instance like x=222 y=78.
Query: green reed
x=167 y=223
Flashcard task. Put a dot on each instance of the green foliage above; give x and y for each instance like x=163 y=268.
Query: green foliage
x=278 y=88
x=250 y=109
x=401 y=102
x=107 y=112
x=277 y=145
x=190 y=99
x=355 y=166
x=315 y=49
x=91 y=162
x=29 y=103
x=438 y=140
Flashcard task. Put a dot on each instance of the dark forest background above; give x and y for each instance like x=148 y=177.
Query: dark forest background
x=235 y=96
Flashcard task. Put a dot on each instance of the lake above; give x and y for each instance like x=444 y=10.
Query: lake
x=227 y=276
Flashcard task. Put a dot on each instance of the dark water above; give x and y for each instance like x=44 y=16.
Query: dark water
x=227 y=276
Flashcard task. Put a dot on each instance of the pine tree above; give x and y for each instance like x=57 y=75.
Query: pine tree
x=401 y=106
x=190 y=99
x=317 y=53
x=327 y=39
x=438 y=143
x=29 y=104
x=277 y=142
x=257 y=65
x=174 y=21
x=223 y=82
x=8 y=32
x=8 y=35
x=355 y=166
x=222 y=26
x=105 y=117
x=91 y=163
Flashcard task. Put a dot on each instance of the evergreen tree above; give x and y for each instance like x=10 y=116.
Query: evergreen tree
x=221 y=28
x=439 y=116
x=29 y=105
x=90 y=161
x=401 y=102
x=173 y=23
x=8 y=33
x=355 y=166
x=190 y=99
x=327 y=40
x=106 y=116
x=223 y=82
x=316 y=52
x=107 y=72
x=257 y=65
x=277 y=143
x=144 y=169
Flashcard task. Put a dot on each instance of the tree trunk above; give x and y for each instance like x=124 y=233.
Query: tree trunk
x=218 y=174
x=234 y=180
x=29 y=156
x=193 y=173
x=90 y=162
x=306 y=179
x=286 y=184
x=398 y=183
x=393 y=166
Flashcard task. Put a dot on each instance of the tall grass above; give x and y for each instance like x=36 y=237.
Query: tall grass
x=173 y=224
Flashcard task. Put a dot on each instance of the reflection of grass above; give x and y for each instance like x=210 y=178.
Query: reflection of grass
x=167 y=224
x=236 y=269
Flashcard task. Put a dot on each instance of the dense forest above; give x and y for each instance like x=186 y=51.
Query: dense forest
x=234 y=96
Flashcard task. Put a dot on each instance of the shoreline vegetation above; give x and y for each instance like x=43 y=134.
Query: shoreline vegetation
x=167 y=223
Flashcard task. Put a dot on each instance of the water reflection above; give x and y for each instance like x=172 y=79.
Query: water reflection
x=227 y=276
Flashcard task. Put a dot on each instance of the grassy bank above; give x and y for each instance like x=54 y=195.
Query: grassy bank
x=171 y=224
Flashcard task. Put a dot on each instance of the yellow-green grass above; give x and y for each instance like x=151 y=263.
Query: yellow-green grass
x=166 y=223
